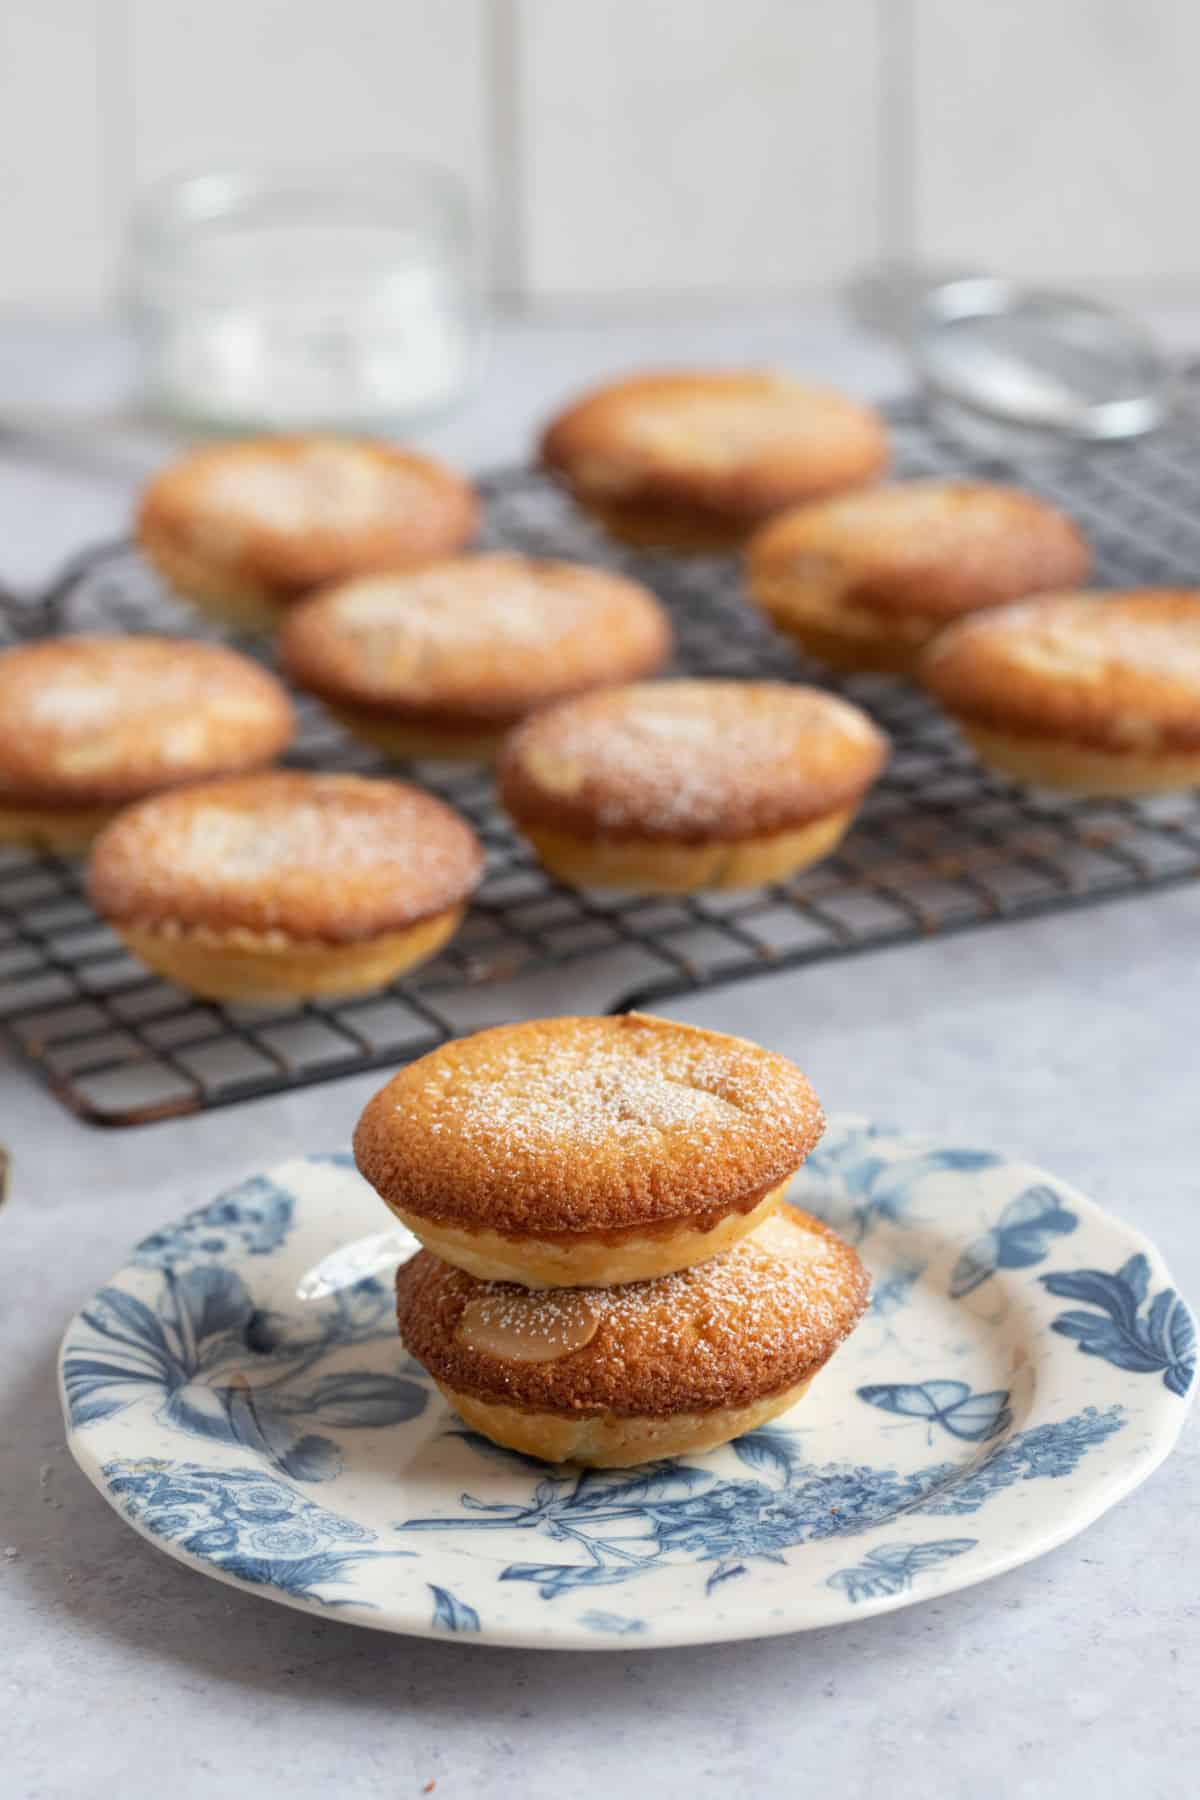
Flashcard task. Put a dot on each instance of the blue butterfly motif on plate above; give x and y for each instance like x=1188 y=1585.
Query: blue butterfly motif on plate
x=950 y=1404
x=865 y=1189
x=1021 y=1237
x=889 y=1568
x=1164 y=1341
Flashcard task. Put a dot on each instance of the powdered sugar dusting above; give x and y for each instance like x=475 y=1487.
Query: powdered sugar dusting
x=597 y=1094
x=1093 y=639
x=249 y=844
x=322 y=485
x=72 y=704
x=722 y=426
x=684 y=755
x=513 y=1325
x=318 y=856
x=118 y=688
x=780 y=1283
x=1090 y=637
x=115 y=717
x=493 y=600
x=895 y=520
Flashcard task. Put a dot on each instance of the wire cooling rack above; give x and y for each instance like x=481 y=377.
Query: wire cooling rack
x=941 y=845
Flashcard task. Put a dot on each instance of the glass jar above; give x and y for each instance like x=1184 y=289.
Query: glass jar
x=341 y=297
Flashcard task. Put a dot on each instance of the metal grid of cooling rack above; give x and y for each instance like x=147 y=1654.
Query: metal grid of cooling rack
x=941 y=844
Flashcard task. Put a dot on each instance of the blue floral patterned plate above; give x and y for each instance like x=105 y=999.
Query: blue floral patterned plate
x=239 y=1394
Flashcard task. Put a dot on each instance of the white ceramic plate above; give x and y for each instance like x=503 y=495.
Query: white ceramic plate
x=239 y=1394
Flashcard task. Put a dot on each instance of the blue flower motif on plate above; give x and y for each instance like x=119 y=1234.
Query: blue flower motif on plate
x=259 y=1332
x=890 y=1568
x=450 y=1613
x=252 y=1219
x=892 y=1294
x=228 y=1370
x=243 y=1522
x=628 y=1523
x=771 y=1449
x=1164 y=1341
x=615 y=1624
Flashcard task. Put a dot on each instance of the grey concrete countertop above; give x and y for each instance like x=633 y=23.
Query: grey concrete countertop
x=1068 y=1040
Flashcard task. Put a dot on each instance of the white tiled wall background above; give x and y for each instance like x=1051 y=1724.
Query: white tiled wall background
x=630 y=150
